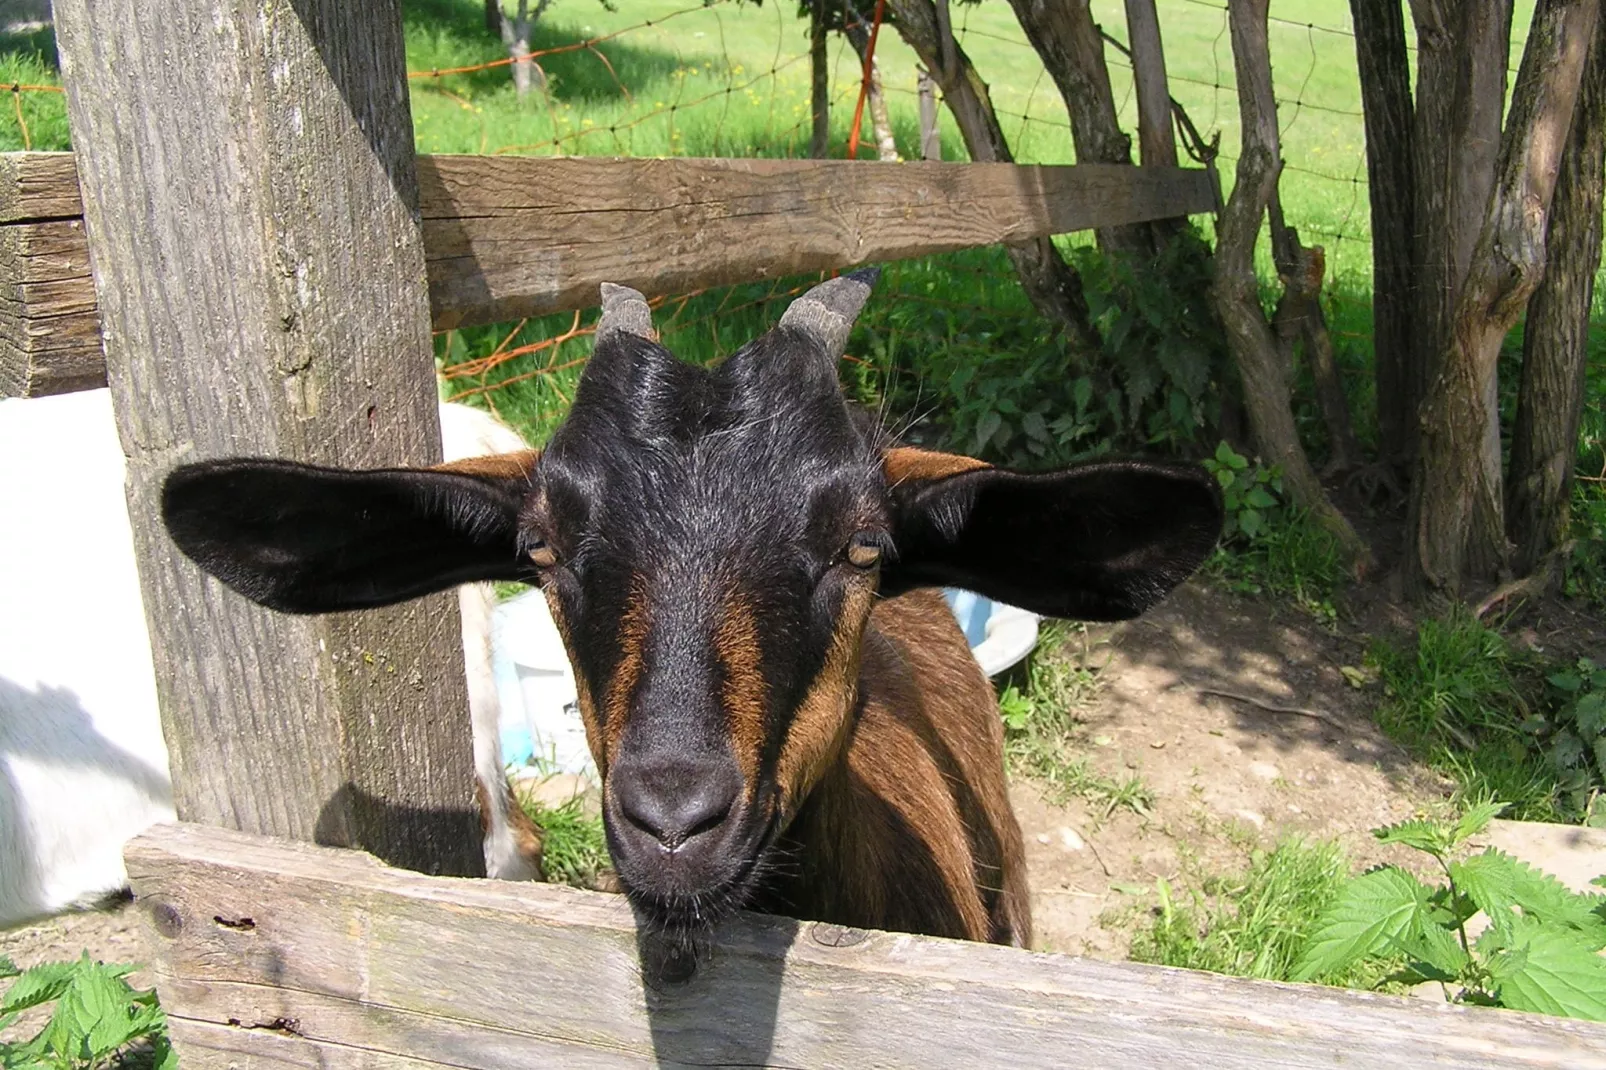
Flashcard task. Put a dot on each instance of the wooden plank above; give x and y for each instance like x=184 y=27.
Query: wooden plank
x=1157 y=139
x=506 y=237
x=49 y=327
x=39 y=185
x=252 y=216
x=331 y=956
x=512 y=236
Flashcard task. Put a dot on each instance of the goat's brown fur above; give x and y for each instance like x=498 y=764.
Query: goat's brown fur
x=912 y=829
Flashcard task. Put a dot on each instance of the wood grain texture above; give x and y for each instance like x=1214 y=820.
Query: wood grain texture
x=49 y=327
x=512 y=237
x=1157 y=141
x=251 y=209
x=345 y=963
x=39 y=185
x=506 y=237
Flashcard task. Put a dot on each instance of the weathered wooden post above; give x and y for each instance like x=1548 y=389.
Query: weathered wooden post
x=930 y=136
x=1157 y=141
x=252 y=211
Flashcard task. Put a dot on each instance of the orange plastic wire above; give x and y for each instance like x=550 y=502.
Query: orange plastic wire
x=16 y=100
x=864 y=85
x=576 y=46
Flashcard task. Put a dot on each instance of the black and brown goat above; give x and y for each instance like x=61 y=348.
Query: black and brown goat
x=785 y=717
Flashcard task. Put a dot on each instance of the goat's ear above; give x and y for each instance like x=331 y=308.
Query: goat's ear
x=303 y=539
x=1100 y=542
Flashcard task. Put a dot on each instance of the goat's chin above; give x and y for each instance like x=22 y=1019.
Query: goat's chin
x=674 y=933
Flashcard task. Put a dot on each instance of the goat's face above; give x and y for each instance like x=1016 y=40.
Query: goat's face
x=710 y=542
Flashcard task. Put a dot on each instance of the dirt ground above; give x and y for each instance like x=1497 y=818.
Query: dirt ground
x=1198 y=700
x=1188 y=703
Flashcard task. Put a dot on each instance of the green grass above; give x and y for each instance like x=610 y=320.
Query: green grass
x=1459 y=697
x=1295 y=559
x=1253 y=923
x=1043 y=728
x=31 y=119
x=574 y=848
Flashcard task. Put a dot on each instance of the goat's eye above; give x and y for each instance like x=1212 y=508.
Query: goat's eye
x=542 y=554
x=864 y=551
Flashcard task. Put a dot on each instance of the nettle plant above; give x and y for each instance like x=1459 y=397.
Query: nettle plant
x=1537 y=953
x=1251 y=493
x=1574 y=738
x=98 y=1020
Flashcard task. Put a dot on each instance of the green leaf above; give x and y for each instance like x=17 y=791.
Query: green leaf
x=8 y=969
x=163 y=1055
x=1035 y=426
x=1371 y=912
x=37 y=985
x=1567 y=681
x=1559 y=974
x=1511 y=891
x=986 y=427
x=1565 y=750
x=1251 y=522
x=1436 y=952
x=1082 y=392
x=1590 y=714
x=1260 y=499
x=1225 y=477
x=1475 y=820
x=1423 y=835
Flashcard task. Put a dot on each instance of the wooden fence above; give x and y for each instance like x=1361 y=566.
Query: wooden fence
x=511 y=236
x=268 y=258
x=283 y=954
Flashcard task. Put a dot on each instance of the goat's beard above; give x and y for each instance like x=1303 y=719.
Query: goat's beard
x=674 y=934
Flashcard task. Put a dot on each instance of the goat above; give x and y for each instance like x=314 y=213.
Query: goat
x=785 y=718
x=82 y=763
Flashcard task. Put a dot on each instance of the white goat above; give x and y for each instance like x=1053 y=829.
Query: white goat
x=82 y=763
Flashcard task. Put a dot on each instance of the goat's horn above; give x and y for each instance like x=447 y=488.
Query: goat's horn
x=827 y=312
x=624 y=310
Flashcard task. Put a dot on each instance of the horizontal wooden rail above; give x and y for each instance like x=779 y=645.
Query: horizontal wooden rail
x=512 y=236
x=270 y=953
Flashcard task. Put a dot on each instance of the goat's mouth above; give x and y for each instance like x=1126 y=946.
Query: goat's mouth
x=685 y=907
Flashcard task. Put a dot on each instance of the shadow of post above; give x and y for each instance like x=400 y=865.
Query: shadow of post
x=723 y=1012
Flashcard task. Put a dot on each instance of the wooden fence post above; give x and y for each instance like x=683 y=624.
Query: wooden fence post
x=930 y=136
x=251 y=204
x=1157 y=141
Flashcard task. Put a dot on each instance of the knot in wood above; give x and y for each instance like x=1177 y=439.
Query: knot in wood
x=829 y=935
x=168 y=921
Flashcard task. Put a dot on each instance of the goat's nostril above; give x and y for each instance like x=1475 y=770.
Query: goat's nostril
x=675 y=805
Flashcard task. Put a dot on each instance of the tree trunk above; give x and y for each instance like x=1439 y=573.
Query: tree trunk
x=1456 y=527
x=858 y=35
x=1052 y=285
x=516 y=36
x=930 y=136
x=1236 y=290
x=1068 y=42
x=1544 y=445
x=820 y=83
x=1386 y=102
x=1156 y=137
x=1299 y=321
x=1460 y=93
x=493 y=16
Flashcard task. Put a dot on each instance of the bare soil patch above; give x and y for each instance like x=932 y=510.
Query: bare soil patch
x=1198 y=700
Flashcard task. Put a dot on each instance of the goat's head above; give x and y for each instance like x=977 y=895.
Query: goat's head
x=711 y=542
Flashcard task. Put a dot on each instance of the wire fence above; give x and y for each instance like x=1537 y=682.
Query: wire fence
x=732 y=78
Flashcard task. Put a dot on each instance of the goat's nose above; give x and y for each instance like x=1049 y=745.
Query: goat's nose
x=675 y=800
